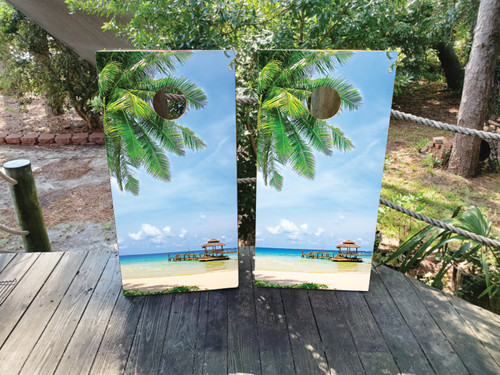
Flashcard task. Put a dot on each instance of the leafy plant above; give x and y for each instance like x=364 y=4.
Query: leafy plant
x=267 y=284
x=135 y=135
x=450 y=249
x=176 y=289
x=287 y=132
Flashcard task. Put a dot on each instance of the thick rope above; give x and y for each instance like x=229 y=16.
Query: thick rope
x=416 y=215
x=14 y=231
x=243 y=100
x=416 y=119
x=175 y=97
x=444 y=126
x=440 y=224
x=10 y=180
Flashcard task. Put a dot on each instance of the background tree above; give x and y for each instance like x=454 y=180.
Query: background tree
x=32 y=62
x=479 y=75
x=287 y=132
x=135 y=135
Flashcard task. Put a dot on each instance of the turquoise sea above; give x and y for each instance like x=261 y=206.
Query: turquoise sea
x=290 y=260
x=157 y=265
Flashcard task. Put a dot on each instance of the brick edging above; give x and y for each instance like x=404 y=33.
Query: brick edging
x=95 y=138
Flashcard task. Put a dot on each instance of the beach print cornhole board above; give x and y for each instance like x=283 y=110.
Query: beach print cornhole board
x=322 y=133
x=169 y=119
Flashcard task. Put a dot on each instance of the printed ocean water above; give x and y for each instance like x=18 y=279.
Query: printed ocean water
x=322 y=131
x=169 y=120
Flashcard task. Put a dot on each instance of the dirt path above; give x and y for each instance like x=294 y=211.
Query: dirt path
x=74 y=192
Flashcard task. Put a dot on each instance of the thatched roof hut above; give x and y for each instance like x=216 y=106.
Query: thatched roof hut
x=212 y=252
x=213 y=243
x=348 y=248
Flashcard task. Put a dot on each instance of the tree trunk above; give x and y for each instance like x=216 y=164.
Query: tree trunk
x=451 y=66
x=479 y=72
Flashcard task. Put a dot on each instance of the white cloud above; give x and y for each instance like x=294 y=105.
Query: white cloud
x=289 y=228
x=167 y=230
x=319 y=231
x=137 y=236
x=183 y=233
x=150 y=230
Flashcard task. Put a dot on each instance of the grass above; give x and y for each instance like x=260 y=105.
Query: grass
x=267 y=284
x=424 y=186
x=177 y=289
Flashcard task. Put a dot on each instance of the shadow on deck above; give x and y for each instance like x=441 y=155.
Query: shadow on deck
x=66 y=315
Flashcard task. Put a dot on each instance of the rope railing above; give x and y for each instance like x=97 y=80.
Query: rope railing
x=423 y=121
x=14 y=231
x=10 y=180
x=444 y=126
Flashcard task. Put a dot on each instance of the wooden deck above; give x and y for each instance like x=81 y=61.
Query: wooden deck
x=66 y=315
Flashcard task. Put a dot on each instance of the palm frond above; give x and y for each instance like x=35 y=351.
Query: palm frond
x=349 y=96
x=268 y=74
x=108 y=76
x=191 y=141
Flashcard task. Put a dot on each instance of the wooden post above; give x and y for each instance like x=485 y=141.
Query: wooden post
x=29 y=214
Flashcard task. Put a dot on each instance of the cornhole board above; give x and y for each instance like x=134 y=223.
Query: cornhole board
x=169 y=119
x=322 y=133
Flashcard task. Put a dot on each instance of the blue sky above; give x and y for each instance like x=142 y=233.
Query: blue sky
x=342 y=201
x=199 y=202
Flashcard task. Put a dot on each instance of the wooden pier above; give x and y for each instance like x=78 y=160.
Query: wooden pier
x=64 y=313
x=196 y=255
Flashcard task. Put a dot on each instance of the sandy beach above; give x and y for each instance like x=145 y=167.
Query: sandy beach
x=207 y=280
x=341 y=281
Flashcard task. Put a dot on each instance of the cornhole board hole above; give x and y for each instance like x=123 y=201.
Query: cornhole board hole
x=169 y=120
x=322 y=133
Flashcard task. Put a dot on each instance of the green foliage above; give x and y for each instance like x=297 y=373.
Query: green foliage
x=135 y=135
x=450 y=250
x=177 y=289
x=267 y=284
x=32 y=62
x=287 y=132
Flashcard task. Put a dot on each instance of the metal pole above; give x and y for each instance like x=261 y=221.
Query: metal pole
x=29 y=213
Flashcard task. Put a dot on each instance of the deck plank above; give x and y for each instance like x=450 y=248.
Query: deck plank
x=17 y=349
x=180 y=340
x=432 y=340
x=274 y=342
x=5 y=259
x=370 y=343
x=113 y=353
x=336 y=337
x=307 y=348
x=30 y=282
x=50 y=347
x=483 y=323
x=398 y=336
x=211 y=343
x=84 y=344
x=243 y=344
x=471 y=351
x=145 y=354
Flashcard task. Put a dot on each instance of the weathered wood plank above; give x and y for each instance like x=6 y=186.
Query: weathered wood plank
x=372 y=349
x=5 y=259
x=398 y=336
x=26 y=289
x=336 y=337
x=82 y=348
x=145 y=354
x=50 y=347
x=468 y=347
x=274 y=342
x=30 y=327
x=211 y=343
x=483 y=323
x=433 y=342
x=307 y=348
x=243 y=344
x=113 y=353
x=180 y=339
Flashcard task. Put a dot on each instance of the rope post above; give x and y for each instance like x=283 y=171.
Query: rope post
x=29 y=213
